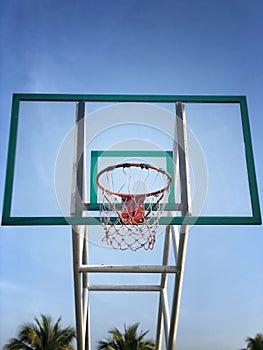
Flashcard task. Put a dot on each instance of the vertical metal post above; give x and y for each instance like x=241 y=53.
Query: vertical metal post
x=186 y=210
x=163 y=311
x=77 y=287
x=86 y=307
x=79 y=239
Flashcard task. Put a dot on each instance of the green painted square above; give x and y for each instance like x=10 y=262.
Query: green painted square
x=95 y=155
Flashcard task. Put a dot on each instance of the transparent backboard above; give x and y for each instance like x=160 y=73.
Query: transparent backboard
x=123 y=129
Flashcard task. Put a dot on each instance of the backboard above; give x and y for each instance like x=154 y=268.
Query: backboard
x=129 y=128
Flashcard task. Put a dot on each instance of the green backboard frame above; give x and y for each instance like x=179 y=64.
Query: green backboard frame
x=8 y=219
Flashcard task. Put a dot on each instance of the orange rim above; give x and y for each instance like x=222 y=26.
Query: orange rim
x=138 y=165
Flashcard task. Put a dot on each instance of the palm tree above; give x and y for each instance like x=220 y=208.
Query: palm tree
x=129 y=340
x=42 y=335
x=255 y=343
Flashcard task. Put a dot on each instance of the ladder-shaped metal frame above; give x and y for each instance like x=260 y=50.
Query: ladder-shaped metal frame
x=175 y=239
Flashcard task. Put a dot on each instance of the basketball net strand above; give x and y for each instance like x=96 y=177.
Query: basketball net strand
x=130 y=214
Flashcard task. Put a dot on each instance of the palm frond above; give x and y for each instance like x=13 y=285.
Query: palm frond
x=43 y=335
x=129 y=340
x=255 y=343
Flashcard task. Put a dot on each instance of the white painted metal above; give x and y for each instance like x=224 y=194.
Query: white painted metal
x=175 y=240
x=128 y=268
x=77 y=287
x=186 y=210
x=167 y=321
x=166 y=314
x=124 y=288
x=79 y=239
x=163 y=310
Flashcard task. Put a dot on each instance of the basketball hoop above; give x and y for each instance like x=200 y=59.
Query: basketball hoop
x=133 y=197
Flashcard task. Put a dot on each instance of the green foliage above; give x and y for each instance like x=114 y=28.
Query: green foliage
x=255 y=343
x=42 y=335
x=129 y=340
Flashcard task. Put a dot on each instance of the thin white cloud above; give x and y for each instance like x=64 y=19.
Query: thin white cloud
x=7 y=286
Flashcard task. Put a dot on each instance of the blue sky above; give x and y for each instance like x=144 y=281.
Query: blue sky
x=136 y=47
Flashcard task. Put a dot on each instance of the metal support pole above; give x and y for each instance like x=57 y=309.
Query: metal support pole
x=77 y=287
x=129 y=268
x=124 y=288
x=186 y=210
x=86 y=308
x=163 y=311
x=79 y=239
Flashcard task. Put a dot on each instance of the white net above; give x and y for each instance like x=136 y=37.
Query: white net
x=133 y=197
